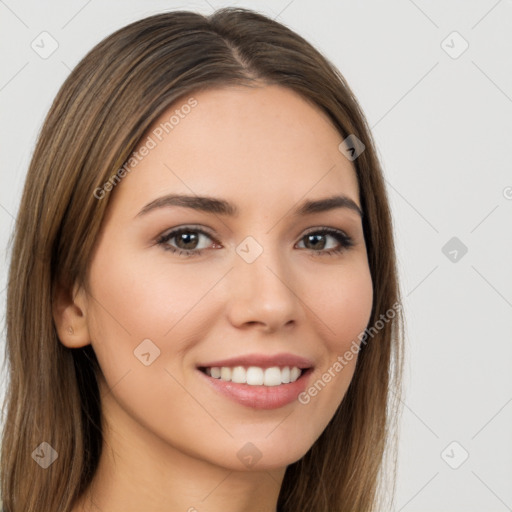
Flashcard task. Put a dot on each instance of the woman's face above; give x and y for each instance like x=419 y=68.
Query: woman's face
x=249 y=278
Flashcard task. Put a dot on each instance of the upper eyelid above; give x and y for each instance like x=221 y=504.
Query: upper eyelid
x=177 y=230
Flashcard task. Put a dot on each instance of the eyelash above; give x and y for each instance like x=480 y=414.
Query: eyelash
x=344 y=240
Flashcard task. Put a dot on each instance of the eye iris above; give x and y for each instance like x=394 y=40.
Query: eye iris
x=314 y=239
x=187 y=237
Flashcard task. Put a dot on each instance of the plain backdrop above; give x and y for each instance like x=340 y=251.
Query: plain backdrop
x=435 y=82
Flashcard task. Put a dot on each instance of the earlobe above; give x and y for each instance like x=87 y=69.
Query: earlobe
x=69 y=314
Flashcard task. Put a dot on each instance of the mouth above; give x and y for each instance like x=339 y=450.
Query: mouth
x=259 y=382
x=255 y=375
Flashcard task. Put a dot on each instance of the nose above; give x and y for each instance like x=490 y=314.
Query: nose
x=262 y=294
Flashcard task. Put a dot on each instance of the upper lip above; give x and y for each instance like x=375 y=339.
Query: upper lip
x=262 y=361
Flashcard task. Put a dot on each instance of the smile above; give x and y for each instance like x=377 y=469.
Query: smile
x=258 y=381
x=255 y=375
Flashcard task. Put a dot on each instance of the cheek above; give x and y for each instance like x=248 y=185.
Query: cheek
x=136 y=308
x=345 y=308
x=344 y=304
x=135 y=300
x=138 y=298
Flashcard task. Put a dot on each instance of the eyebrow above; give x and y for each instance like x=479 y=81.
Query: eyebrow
x=223 y=207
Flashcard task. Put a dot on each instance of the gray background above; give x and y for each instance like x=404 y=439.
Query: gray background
x=442 y=124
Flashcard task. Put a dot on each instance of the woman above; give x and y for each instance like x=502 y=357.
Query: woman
x=203 y=307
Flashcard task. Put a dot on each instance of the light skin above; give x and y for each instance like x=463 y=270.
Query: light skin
x=170 y=439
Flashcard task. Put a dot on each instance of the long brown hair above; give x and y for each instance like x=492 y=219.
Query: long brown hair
x=96 y=121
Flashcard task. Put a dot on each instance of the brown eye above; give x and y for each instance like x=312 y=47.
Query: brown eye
x=326 y=241
x=315 y=241
x=185 y=241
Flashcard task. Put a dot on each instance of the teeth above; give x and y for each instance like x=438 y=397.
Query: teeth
x=294 y=374
x=255 y=376
x=239 y=375
x=225 y=373
x=272 y=376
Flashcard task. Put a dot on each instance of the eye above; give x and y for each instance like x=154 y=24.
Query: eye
x=186 y=241
x=321 y=242
x=189 y=241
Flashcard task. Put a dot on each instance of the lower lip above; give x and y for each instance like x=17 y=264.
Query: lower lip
x=261 y=397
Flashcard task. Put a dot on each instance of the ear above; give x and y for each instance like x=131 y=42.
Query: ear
x=69 y=310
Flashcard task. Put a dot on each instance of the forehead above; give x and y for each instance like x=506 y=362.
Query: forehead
x=249 y=144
